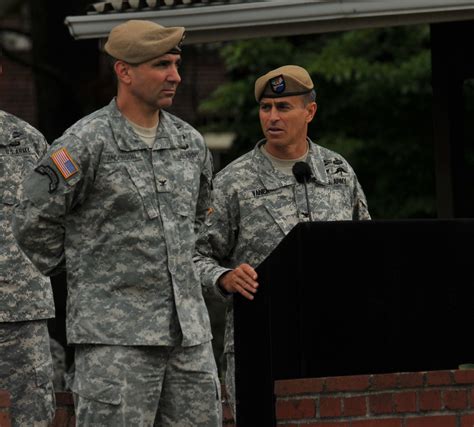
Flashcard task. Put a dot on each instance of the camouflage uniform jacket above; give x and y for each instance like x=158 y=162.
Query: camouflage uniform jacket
x=122 y=216
x=25 y=294
x=254 y=206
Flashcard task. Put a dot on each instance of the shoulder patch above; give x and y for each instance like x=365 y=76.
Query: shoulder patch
x=64 y=163
x=51 y=174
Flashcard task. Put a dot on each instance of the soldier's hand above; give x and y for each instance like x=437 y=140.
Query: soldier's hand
x=242 y=280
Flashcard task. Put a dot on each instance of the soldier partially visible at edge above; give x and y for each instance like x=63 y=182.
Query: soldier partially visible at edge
x=118 y=199
x=257 y=200
x=26 y=298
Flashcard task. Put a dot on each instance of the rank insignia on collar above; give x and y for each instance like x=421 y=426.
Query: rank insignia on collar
x=64 y=163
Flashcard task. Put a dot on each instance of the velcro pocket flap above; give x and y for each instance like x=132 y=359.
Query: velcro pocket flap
x=44 y=373
x=98 y=389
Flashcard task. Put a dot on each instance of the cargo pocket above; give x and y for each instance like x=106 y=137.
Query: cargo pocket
x=215 y=400
x=7 y=263
x=98 y=390
x=217 y=384
x=46 y=401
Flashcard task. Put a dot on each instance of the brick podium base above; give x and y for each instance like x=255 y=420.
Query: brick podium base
x=64 y=410
x=421 y=399
x=4 y=409
x=413 y=399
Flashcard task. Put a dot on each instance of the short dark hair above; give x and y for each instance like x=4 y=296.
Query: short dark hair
x=309 y=97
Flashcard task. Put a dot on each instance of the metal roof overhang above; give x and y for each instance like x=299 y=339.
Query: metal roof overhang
x=211 y=23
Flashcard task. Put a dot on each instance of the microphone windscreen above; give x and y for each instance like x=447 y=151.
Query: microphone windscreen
x=301 y=171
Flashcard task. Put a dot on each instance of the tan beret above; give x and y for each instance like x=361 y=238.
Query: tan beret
x=137 y=41
x=288 y=80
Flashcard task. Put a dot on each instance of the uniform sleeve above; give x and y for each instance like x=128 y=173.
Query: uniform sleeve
x=205 y=188
x=56 y=186
x=361 y=210
x=42 y=146
x=216 y=240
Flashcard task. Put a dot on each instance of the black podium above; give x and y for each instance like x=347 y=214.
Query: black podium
x=348 y=298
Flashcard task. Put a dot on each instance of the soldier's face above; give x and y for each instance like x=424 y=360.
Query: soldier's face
x=285 y=120
x=154 y=82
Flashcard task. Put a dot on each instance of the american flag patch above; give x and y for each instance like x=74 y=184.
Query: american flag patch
x=64 y=163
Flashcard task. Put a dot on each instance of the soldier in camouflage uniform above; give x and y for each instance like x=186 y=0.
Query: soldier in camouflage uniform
x=58 y=354
x=257 y=200
x=26 y=299
x=118 y=199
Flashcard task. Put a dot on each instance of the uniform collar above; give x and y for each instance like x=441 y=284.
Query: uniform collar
x=127 y=140
x=273 y=179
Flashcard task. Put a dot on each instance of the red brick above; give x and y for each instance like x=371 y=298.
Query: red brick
x=405 y=401
x=61 y=418
x=465 y=376
x=4 y=420
x=455 y=399
x=438 y=421
x=410 y=379
x=5 y=401
x=355 y=405
x=467 y=420
x=301 y=386
x=429 y=400
x=330 y=407
x=349 y=383
x=17 y=89
x=64 y=399
x=385 y=422
x=295 y=409
x=381 y=403
x=226 y=412
x=384 y=381
x=439 y=378
x=472 y=398
x=326 y=424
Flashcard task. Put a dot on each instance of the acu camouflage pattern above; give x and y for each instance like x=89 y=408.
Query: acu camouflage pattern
x=124 y=224
x=58 y=355
x=25 y=294
x=125 y=386
x=255 y=206
x=26 y=371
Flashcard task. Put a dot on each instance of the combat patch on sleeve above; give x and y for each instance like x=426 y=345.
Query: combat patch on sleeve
x=51 y=174
x=64 y=163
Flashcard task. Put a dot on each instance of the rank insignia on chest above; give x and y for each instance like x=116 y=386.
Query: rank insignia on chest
x=64 y=163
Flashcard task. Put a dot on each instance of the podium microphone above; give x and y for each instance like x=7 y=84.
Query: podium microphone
x=302 y=173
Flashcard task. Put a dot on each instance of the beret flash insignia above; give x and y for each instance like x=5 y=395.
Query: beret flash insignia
x=278 y=84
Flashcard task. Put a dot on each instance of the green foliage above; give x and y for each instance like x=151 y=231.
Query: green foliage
x=374 y=107
x=9 y=6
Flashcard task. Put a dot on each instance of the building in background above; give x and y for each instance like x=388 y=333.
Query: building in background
x=17 y=88
x=202 y=72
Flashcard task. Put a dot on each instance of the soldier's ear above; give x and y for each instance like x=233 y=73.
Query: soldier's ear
x=311 y=108
x=122 y=70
